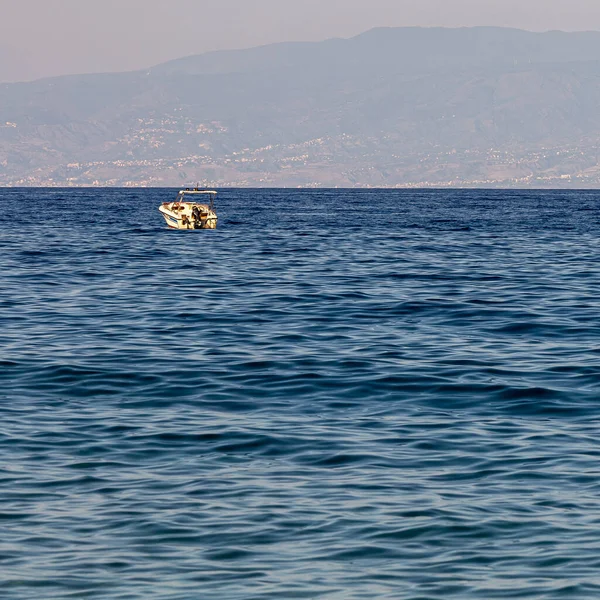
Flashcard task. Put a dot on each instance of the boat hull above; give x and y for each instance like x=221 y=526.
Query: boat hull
x=188 y=215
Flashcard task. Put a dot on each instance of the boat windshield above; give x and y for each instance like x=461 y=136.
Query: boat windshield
x=196 y=196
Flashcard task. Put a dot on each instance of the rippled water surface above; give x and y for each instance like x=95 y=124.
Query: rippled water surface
x=336 y=394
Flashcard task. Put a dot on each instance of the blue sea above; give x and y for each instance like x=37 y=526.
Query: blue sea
x=337 y=394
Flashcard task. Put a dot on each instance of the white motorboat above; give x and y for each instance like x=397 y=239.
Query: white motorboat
x=186 y=212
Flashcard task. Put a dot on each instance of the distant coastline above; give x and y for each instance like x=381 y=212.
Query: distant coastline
x=395 y=108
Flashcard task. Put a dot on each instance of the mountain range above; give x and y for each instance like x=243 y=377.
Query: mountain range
x=399 y=107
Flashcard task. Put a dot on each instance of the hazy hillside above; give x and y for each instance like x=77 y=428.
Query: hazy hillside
x=479 y=106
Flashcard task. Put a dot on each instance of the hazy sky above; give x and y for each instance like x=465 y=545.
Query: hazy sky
x=53 y=37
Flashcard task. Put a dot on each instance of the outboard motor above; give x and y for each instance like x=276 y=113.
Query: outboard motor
x=197 y=216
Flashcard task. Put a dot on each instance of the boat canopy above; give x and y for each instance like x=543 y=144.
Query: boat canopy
x=197 y=192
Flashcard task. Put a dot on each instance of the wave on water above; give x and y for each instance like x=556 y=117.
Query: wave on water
x=304 y=403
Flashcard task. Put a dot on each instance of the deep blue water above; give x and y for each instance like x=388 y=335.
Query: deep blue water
x=336 y=394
